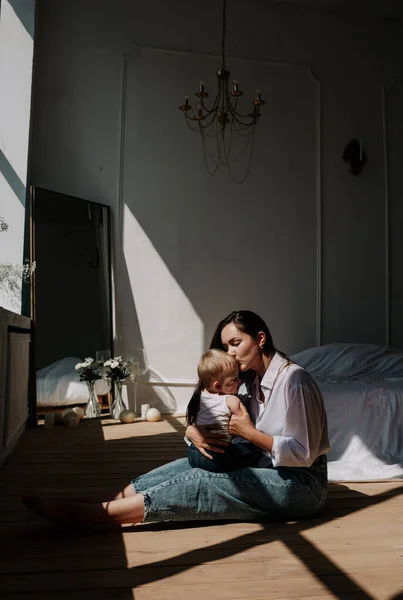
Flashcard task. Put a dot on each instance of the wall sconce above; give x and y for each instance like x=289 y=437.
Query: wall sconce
x=355 y=155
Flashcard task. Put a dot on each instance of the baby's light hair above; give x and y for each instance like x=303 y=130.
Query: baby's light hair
x=214 y=364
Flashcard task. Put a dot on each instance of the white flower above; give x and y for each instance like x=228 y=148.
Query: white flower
x=108 y=363
x=114 y=364
x=78 y=366
x=89 y=361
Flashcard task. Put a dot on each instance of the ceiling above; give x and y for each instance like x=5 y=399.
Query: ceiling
x=382 y=9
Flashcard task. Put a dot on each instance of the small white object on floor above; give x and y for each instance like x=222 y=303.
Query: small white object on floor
x=68 y=415
x=73 y=422
x=127 y=416
x=144 y=409
x=49 y=420
x=153 y=414
x=79 y=411
x=58 y=419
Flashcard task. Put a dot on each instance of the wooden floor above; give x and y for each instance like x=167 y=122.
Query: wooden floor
x=354 y=549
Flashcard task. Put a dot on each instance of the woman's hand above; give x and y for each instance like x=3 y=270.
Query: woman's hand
x=241 y=425
x=204 y=439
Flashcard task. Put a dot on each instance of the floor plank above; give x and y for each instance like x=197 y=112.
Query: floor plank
x=353 y=549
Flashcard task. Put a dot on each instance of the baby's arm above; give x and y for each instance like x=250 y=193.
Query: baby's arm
x=234 y=404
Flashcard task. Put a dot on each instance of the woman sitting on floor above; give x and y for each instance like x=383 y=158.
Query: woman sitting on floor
x=283 y=414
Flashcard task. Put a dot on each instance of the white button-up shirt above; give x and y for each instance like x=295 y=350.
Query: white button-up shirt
x=293 y=413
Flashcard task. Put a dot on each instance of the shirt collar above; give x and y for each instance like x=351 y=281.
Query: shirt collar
x=272 y=371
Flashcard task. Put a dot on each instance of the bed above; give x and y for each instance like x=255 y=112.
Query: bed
x=362 y=386
x=59 y=385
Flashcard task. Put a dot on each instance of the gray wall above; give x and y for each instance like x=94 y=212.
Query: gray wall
x=302 y=241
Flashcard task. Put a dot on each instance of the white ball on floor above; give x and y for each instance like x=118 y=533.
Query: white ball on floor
x=79 y=412
x=67 y=416
x=153 y=414
x=127 y=416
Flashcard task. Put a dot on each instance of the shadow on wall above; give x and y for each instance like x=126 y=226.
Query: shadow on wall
x=126 y=312
x=157 y=394
x=226 y=246
x=159 y=397
x=24 y=12
x=9 y=174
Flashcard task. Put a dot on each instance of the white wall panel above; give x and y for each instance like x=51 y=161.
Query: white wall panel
x=353 y=215
x=225 y=246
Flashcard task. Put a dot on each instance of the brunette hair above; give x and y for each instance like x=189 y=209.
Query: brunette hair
x=248 y=322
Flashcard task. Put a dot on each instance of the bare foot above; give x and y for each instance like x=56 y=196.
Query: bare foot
x=57 y=511
x=117 y=512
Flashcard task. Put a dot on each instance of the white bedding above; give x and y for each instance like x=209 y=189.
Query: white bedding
x=59 y=384
x=362 y=386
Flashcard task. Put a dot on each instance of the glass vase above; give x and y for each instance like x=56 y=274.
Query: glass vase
x=93 y=409
x=139 y=367
x=117 y=405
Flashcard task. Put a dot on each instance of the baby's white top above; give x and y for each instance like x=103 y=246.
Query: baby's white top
x=213 y=410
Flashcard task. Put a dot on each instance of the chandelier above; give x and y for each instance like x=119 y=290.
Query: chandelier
x=227 y=131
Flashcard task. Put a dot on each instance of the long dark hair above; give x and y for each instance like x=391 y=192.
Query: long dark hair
x=194 y=404
x=248 y=322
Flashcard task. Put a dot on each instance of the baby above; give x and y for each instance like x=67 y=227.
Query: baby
x=213 y=403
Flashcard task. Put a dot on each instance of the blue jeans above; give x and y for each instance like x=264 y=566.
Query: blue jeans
x=235 y=456
x=176 y=492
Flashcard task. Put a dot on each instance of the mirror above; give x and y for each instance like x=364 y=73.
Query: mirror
x=72 y=291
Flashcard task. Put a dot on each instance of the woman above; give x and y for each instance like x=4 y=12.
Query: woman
x=283 y=414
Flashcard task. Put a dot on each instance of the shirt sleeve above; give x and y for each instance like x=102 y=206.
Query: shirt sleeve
x=300 y=440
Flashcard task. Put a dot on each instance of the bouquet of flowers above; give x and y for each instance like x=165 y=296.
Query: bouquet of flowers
x=117 y=369
x=89 y=370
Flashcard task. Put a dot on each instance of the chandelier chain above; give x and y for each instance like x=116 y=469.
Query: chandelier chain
x=224 y=30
